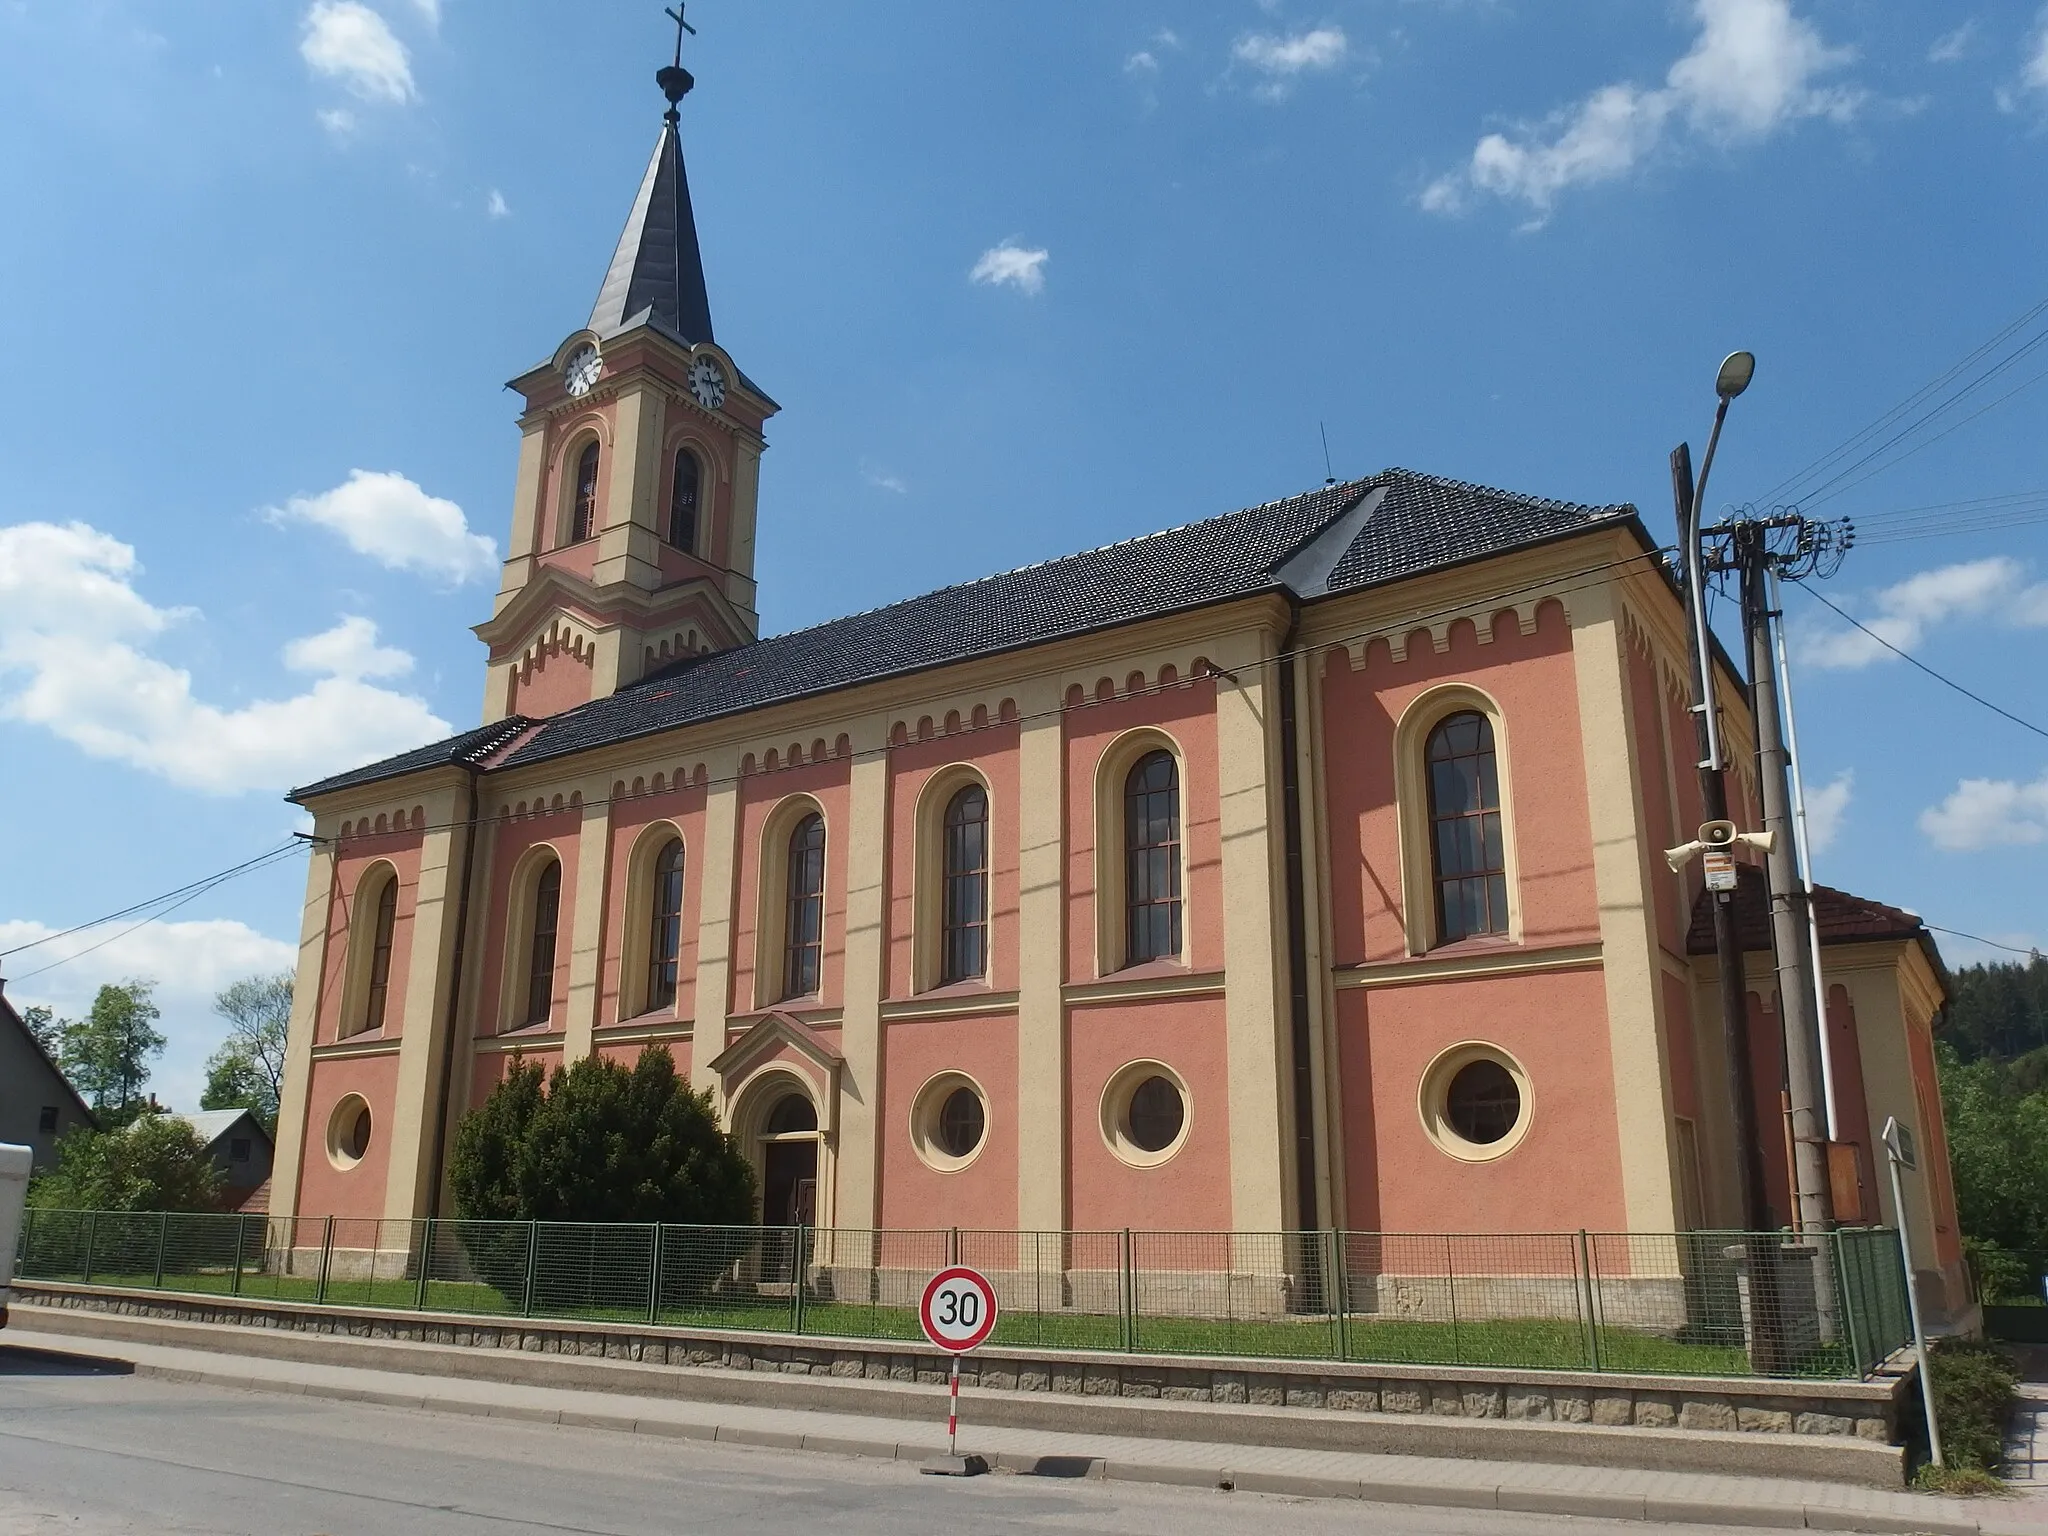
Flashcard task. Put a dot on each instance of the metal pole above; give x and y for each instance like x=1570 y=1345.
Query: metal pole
x=1734 y=984
x=419 y=1301
x=1913 y=1308
x=1795 y=989
x=1689 y=526
x=953 y=1410
x=163 y=1227
x=1805 y=850
x=85 y=1278
x=241 y=1237
x=326 y=1260
x=532 y=1255
x=654 y=1277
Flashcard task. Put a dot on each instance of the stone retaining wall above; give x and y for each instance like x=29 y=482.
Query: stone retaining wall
x=1867 y=1410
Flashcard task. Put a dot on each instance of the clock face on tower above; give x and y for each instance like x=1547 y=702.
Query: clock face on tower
x=707 y=383
x=580 y=372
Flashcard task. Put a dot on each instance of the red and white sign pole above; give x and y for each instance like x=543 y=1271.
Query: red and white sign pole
x=957 y=1313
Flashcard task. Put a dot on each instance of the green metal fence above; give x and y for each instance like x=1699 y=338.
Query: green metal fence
x=1694 y=1303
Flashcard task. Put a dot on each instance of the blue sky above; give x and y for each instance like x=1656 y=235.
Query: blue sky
x=1025 y=279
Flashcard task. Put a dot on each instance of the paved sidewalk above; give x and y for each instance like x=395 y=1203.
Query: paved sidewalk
x=1611 y=1493
x=2026 y=1446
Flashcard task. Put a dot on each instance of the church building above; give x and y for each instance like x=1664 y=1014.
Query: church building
x=1295 y=868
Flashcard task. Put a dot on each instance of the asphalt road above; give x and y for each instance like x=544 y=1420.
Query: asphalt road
x=102 y=1452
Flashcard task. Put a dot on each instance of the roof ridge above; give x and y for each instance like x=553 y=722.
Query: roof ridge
x=1551 y=503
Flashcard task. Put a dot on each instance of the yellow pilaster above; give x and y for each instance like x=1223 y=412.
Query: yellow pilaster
x=1628 y=932
x=1254 y=935
x=408 y=1190
x=715 y=915
x=1041 y=963
x=292 y=1136
x=588 y=922
x=860 y=1081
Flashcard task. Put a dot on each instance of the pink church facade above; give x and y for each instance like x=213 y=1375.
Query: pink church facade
x=1299 y=868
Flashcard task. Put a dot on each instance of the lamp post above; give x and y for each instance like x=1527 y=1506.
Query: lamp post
x=1734 y=377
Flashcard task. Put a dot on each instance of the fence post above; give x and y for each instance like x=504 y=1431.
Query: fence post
x=532 y=1255
x=1333 y=1286
x=163 y=1227
x=796 y=1280
x=85 y=1271
x=241 y=1237
x=1451 y=1298
x=953 y=1245
x=1126 y=1295
x=654 y=1279
x=326 y=1260
x=419 y=1297
x=28 y=1229
x=1592 y=1309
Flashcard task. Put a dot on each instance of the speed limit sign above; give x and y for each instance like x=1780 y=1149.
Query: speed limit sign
x=959 y=1309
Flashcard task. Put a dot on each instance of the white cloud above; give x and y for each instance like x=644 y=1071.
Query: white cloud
x=1994 y=588
x=338 y=121
x=2035 y=73
x=495 y=206
x=74 y=658
x=350 y=649
x=430 y=13
x=1825 y=809
x=883 y=480
x=191 y=962
x=1022 y=268
x=1989 y=813
x=347 y=41
x=1141 y=63
x=1750 y=71
x=1280 y=58
x=387 y=517
x=1951 y=46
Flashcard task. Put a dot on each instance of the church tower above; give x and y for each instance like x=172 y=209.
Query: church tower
x=639 y=469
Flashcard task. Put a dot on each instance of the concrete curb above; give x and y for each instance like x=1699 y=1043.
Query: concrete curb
x=1831 y=1458
x=1544 y=1501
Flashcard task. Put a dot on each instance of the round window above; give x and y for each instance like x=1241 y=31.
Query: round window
x=1483 y=1102
x=1145 y=1113
x=949 y=1122
x=1475 y=1102
x=961 y=1123
x=1157 y=1114
x=348 y=1132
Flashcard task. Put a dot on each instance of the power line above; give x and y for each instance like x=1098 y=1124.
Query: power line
x=1857 y=441
x=1978 y=939
x=195 y=888
x=1916 y=661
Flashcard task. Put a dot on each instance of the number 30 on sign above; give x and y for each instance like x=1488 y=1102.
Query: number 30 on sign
x=959 y=1309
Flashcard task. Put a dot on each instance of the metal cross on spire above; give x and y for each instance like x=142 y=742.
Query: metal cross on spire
x=682 y=26
x=674 y=80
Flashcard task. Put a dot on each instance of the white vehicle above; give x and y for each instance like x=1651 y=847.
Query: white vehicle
x=14 y=1168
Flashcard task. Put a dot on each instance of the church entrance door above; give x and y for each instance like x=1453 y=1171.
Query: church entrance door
x=789 y=1183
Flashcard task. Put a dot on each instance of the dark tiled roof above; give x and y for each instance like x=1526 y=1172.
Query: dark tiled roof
x=471 y=747
x=657 y=266
x=1419 y=522
x=1841 y=918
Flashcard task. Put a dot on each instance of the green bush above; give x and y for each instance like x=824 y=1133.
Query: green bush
x=156 y=1164
x=1975 y=1391
x=596 y=1143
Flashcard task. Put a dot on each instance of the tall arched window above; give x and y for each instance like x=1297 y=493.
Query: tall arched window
x=1152 y=859
x=665 y=937
x=682 y=502
x=583 y=519
x=1466 y=851
x=964 y=926
x=540 y=952
x=803 y=941
x=379 y=989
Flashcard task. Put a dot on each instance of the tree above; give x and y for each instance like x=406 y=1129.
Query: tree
x=597 y=1143
x=1999 y=1010
x=47 y=1029
x=600 y=1143
x=156 y=1164
x=107 y=1053
x=1998 y=1147
x=247 y=1072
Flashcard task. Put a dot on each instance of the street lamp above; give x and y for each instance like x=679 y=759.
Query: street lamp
x=1737 y=369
